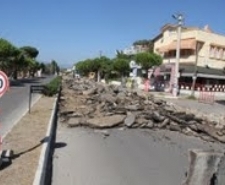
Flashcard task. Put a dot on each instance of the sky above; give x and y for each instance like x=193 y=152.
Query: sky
x=72 y=30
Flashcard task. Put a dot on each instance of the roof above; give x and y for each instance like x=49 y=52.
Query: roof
x=166 y=26
x=157 y=37
x=174 y=26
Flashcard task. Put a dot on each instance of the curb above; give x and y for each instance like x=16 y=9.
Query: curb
x=41 y=172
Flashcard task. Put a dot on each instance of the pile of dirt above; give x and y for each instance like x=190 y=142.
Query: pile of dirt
x=87 y=103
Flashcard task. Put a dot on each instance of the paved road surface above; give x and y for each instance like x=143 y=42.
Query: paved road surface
x=15 y=102
x=217 y=108
x=126 y=157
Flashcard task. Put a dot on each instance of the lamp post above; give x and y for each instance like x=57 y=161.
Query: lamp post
x=179 y=18
x=194 y=78
x=74 y=71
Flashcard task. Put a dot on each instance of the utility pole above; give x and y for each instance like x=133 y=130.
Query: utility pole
x=100 y=53
x=179 y=18
x=98 y=75
x=194 y=78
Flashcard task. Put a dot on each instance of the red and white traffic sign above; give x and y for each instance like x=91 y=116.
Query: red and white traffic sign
x=4 y=83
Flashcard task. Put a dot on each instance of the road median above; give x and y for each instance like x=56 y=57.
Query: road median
x=28 y=139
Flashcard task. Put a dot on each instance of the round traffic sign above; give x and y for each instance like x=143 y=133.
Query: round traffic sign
x=4 y=83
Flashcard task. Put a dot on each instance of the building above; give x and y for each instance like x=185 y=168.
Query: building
x=135 y=49
x=202 y=53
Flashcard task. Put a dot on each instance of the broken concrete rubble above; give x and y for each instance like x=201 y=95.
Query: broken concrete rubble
x=98 y=105
x=106 y=121
x=130 y=120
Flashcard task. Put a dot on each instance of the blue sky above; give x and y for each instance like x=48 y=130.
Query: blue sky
x=73 y=30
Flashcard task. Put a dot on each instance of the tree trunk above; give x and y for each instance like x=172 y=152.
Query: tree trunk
x=15 y=75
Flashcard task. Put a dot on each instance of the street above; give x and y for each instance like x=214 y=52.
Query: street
x=14 y=103
x=125 y=157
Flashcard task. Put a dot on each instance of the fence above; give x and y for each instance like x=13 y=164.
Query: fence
x=202 y=87
x=167 y=86
x=206 y=97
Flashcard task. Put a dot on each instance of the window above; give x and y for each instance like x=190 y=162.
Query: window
x=186 y=52
x=217 y=53
x=172 y=32
x=172 y=53
x=212 y=51
x=223 y=54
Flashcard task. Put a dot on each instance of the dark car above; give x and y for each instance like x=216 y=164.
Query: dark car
x=159 y=86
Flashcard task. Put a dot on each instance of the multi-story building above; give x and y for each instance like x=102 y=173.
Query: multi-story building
x=135 y=49
x=198 y=47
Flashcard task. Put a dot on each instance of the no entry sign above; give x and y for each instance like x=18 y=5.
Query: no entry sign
x=4 y=83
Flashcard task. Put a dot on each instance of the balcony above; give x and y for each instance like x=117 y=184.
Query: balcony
x=189 y=60
x=185 y=44
x=186 y=56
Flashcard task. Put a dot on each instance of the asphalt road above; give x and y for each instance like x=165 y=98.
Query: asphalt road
x=126 y=157
x=14 y=103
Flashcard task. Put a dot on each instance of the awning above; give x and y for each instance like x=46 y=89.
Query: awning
x=184 y=44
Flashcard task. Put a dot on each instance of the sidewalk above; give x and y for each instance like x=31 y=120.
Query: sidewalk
x=25 y=139
x=167 y=95
x=214 y=111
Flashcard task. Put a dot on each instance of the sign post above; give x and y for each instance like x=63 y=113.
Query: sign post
x=34 y=89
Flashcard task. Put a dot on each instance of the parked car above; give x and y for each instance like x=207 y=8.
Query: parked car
x=159 y=86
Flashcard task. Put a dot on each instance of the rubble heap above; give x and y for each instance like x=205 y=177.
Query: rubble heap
x=97 y=105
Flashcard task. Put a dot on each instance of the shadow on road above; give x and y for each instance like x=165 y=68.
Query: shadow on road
x=60 y=145
x=8 y=161
x=222 y=102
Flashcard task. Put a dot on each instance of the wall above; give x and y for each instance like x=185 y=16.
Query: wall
x=190 y=59
x=169 y=37
x=204 y=54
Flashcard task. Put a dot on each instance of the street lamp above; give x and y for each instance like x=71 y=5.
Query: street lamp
x=179 y=18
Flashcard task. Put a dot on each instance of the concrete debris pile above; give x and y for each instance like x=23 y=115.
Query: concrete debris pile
x=97 y=105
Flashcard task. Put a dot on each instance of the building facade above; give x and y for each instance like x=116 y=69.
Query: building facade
x=201 y=46
x=202 y=54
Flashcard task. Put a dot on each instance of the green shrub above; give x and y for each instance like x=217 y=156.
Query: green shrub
x=52 y=87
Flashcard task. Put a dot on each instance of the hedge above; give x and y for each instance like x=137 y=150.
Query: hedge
x=52 y=87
